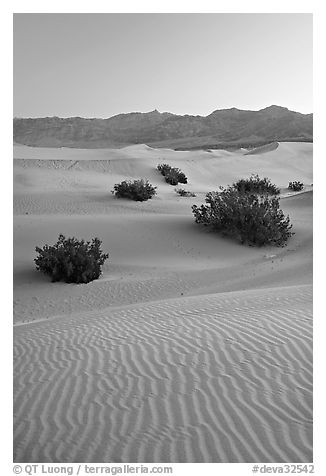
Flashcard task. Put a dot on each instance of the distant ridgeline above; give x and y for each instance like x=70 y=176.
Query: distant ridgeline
x=226 y=128
x=243 y=145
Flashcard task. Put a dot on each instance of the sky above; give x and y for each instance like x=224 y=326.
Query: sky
x=99 y=65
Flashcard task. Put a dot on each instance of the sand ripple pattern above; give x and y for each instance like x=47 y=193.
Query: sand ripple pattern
x=215 y=378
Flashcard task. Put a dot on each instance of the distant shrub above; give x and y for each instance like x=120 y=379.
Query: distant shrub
x=184 y=193
x=138 y=190
x=296 y=186
x=164 y=168
x=172 y=175
x=256 y=185
x=181 y=176
x=71 y=260
x=251 y=218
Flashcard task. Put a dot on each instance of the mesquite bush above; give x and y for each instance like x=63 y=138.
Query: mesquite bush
x=172 y=175
x=296 y=186
x=184 y=193
x=251 y=218
x=256 y=185
x=71 y=260
x=138 y=190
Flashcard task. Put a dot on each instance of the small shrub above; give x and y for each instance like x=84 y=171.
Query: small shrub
x=181 y=176
x=172 y=175
x=138 y=190
x=164 y=168
x=71 y=260
x=296 y=186
x=184 y=193
x=253 y=219
x=256 y=185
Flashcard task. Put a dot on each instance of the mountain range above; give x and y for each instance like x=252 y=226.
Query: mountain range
x=228 y=128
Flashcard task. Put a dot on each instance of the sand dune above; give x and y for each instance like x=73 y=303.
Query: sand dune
x=154 y=255
x=217 y=378
x=190 y=347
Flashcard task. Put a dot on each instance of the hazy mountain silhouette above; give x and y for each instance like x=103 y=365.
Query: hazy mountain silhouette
x=230 y=127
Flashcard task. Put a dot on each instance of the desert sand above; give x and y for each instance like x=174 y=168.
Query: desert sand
x=190 y=347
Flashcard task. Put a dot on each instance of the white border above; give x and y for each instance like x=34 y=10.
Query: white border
x=169 y=6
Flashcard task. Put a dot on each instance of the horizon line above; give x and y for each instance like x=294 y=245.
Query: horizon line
x=164 y=112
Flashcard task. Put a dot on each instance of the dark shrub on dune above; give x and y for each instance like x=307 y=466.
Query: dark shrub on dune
x=172 y=175
x=181 y=176
x=164 y=168
x=256 y=185
x=138 y=190
x=251 y=218
x=296 y=186
x=71 y=261
x=184 y=193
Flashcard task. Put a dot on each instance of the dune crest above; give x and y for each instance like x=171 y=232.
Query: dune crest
x=263 y=149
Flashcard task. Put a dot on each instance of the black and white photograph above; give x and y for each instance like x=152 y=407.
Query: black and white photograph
x=163 y=238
